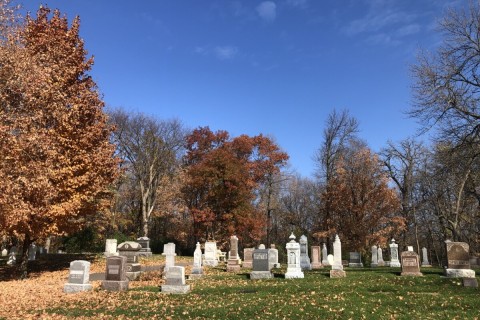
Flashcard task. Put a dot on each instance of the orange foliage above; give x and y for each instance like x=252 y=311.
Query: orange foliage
x=223 y=175
x=363 y=208
x=57 y=161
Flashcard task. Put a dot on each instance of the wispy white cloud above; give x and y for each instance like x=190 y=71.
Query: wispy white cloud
x=409 y=30
x=267 y=10
x=298 y=3
x=219 y=52
x=225 y=52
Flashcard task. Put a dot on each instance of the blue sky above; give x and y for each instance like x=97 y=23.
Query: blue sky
x=271 y=67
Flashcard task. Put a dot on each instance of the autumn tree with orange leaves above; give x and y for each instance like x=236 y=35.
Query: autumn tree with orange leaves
x=223 y=177
x=364 y=210
x=56 y=160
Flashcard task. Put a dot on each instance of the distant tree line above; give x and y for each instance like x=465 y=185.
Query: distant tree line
x=76 y=174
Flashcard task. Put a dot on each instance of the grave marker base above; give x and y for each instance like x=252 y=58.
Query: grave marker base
x=261 y=275
x=179 y=289
x=111 y=285
x=415 y=274
x=459 y=273
x=470 y=282
x=337 y=274
x=194 y=276
x=74 y=288
x=355 y=265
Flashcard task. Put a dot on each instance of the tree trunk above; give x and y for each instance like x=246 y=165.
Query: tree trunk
x=23 y=265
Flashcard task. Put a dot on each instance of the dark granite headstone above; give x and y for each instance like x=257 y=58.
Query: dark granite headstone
x=355 y=257
x=116 y=268
x=260 y=260
x=410 y=264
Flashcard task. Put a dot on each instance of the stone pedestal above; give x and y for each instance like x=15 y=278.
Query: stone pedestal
x=459 y=273
x=293 y=255
x=337 y=273
x=111 y=285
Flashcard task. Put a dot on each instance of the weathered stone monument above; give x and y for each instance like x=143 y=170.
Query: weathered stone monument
x=175 y=281
x=197 y=270
x=316 y=252
x=233 y=263
x=248 y=257
x=293 y=257
x=381 y=262
x=210 y=254
x=12 y=259
x=273 y=257
x=32 y=252
x=131 y=249
x=330 y=259
x=458 y=260
x=337 y=267
x=116 y=278
x=374 y=263
x=4 y=252
x=409 y=248
x=410 y=264
x=355 y=260
x=261 y=265
x=394 y=262
x=110 y=248
x=145 y=243
x=425 y=262
x=325 y=256
x=169 y=253
x=78 y=278
x=304 y=258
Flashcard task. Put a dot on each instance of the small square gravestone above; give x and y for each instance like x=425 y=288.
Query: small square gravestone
x=78 y=277
x=261 y=266
x=470 y=282
x=410 y=264
x=116 y=278
x=458 y=260
x=273 y=257
x=175 y=281
x=247 y=258
x=355 y=260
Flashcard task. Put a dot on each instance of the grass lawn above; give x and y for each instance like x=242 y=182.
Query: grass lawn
x=379 y=293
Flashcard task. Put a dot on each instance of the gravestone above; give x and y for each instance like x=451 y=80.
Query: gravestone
x=374 y=263
x=110 y=248
x=32 y=252
x=261 y=265
x=425 y=262
x=381 y=262
x=304 y=258
x=175 y=281
x=273 y=257
x=470 y=282
x=394 y=262
x=4 y=252
x=473 y=262
x=355 y=260
x=233 y=263
x=337 y=266
x=131 y=249
x=410 y=264
x=293 y=258
x=210 y=254
x=197 y=270
x=145 y=243
x=458 y=260
x=316 y=264
x=325 y=256
x=78 y=277
x=247 y=258
x=12 y=259
x=116 y=278
x=409 y=248
x=169 y=253
x=330 y=259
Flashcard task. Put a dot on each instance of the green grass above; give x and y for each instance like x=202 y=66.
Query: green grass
x=379 y=293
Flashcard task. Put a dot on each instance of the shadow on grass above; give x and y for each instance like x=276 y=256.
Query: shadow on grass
x=43 y=263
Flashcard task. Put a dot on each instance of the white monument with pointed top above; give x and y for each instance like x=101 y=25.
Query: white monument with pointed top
x=293 y=255
x=374 y=263
x=337 y=267
x=197 y=270
x=325 y=256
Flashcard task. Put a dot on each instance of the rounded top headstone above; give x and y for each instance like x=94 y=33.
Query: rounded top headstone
x=262 y=246
x=303 y=239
